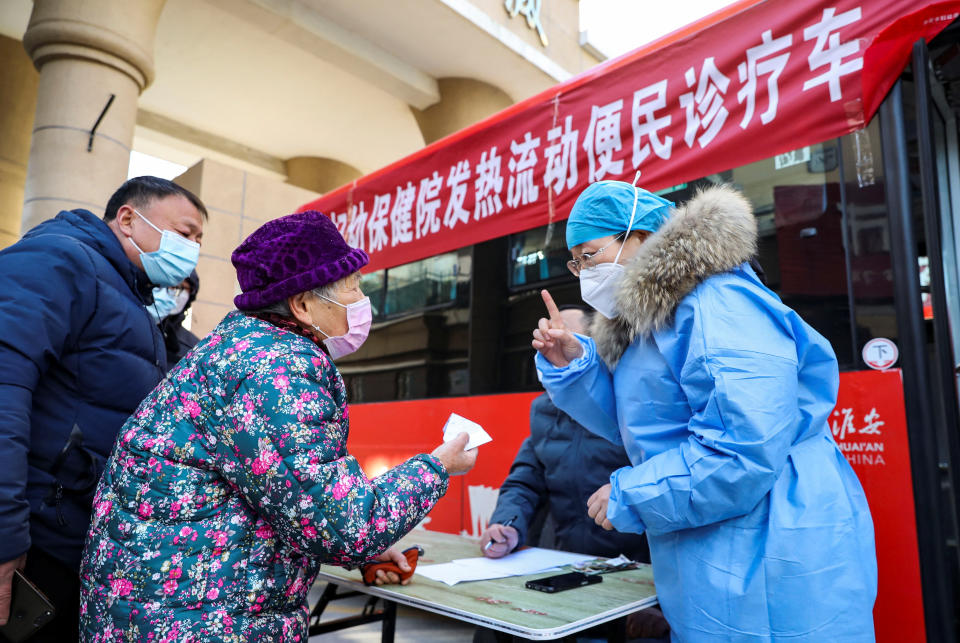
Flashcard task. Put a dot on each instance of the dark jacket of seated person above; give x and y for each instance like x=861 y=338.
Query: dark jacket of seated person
x=558 y=468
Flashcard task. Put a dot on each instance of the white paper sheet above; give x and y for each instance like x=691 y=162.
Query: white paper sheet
x=457 y=424
x=520 y=563
x=452 y=573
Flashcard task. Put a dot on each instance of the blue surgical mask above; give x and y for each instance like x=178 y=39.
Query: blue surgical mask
x=173 y=261
x=166 y=302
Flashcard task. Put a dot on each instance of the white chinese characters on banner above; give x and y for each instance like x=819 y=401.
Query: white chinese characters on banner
x=761 y=61
x=428 y=202
x=379 y=220
x=440 y=201
x=829 y=51
x=561 y=157
x=457 y=182
x=340 y=220
x=488 y=185
x=521 y=189
x=602 y=141
x=401 y=216
x=646 y=102
x=356 y=224
x=704 y=105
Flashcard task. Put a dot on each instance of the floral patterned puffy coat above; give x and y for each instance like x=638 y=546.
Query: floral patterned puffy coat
x=228 y=488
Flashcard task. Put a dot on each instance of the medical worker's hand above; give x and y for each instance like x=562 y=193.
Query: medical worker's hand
x=395 y=556
x=453 y=457
x=504 y=539
x=597 y=506
x=6 y=582
x=552 y=339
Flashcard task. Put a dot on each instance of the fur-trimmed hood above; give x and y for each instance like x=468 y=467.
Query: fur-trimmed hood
x=712 y=233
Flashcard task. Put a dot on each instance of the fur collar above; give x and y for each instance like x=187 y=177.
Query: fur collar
x=712 y=233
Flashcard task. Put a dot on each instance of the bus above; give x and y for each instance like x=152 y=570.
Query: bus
x=836 y=118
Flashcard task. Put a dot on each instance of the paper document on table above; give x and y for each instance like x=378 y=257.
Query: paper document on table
x=520 y=563
x=452 y=573
x=457 y=424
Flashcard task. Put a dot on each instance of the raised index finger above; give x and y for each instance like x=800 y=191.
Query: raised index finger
x=552 y=310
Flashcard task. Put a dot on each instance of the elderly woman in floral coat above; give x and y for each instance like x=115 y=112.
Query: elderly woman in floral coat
x=231 y=483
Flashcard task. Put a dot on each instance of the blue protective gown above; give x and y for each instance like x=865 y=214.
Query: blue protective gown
x=758 y=528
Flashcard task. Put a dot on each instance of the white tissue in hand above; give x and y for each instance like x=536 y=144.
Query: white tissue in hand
x=456 y=425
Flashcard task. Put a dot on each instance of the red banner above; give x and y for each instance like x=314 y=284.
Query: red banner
x=759 y=79
x=869 y=424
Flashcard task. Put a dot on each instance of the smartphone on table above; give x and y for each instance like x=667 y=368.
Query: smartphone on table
x=30 y=610
x=561 y=582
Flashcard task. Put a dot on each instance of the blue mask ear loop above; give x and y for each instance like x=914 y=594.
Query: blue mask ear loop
x=633 y=214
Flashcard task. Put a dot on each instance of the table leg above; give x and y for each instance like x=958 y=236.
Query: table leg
x=370 y=614
x=389 y=622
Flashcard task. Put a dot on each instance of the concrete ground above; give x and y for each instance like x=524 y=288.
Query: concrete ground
x=412 y=625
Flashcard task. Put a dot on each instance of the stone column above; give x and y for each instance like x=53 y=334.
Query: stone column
x=85 y=51
x=18 y=101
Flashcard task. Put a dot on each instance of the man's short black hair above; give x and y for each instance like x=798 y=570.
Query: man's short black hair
x=140 y=191
x=586 y=310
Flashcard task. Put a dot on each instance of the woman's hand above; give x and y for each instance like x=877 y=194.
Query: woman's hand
x=597 y=506
x=504 y=539
x=453 y=457
x=395 y=556
x=552 y=339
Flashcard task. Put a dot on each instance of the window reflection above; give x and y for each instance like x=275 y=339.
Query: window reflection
x=372 y=286
x=434 y=281
x=538 y=255
x=418 y=345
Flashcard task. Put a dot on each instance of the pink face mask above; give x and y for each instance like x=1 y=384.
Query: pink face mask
x=359 y=318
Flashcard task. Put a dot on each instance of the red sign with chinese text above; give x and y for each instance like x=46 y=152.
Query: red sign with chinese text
x=869 y=424
x=769 y=78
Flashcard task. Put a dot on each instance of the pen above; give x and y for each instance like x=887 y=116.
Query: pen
x=506 y=524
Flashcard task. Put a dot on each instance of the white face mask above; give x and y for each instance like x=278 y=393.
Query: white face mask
x=598 y=285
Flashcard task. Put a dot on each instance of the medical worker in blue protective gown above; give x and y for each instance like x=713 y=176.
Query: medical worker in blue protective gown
x=758 y=528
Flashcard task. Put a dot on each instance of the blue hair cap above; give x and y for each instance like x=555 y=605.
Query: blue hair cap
x=604 y=209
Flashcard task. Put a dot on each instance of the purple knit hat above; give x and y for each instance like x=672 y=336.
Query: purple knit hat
x=290 y=255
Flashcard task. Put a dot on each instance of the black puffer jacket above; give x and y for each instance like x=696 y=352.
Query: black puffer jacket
x=177 y=339
x=558 y=468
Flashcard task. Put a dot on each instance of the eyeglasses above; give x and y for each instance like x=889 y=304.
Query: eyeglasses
x=587 y=259
x=176 y=291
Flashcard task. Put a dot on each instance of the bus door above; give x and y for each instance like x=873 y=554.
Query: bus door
x=939 y=178
x=919 y=136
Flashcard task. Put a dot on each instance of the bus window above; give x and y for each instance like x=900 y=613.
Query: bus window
x=535 y=258
x=372 y=286
x=418 y=345
x=428 y=283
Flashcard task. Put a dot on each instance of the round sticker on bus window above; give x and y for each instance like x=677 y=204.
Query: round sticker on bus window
x=880 y=353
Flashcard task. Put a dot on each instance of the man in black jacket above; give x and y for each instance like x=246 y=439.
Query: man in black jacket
x=78 y=352
x=170 y=306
